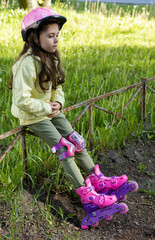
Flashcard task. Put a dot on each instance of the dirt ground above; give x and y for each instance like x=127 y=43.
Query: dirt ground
x=137 y=160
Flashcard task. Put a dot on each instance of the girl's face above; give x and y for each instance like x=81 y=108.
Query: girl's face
x=49 y=37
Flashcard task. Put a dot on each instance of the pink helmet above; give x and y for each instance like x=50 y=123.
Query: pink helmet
x=37 y=16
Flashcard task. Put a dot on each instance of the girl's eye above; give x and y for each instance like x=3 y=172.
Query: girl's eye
x=51 y=36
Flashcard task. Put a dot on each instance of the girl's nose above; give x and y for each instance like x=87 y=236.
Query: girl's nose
x=56 y=39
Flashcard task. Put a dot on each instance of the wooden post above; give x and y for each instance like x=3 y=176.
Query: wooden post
x=10 y=146
x=90 y=126
x=80 y=115
x=143 y=100
x=24 y=150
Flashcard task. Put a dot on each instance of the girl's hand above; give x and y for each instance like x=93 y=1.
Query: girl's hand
x=55 y=106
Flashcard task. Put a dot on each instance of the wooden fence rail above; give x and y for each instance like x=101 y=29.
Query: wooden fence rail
x=89 y=104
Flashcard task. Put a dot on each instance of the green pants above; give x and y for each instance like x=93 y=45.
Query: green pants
x=51 y=131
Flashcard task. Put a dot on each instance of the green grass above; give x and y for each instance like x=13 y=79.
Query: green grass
x=100 y=53
x=103 y=48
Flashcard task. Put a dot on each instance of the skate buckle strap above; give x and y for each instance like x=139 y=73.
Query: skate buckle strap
x=113 y=180
x=62 y=156
x=100 y=175
x=101 y=199
x=87 y=190
x=56 y=147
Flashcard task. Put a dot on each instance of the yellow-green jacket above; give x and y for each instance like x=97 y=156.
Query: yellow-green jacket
x=30 y=103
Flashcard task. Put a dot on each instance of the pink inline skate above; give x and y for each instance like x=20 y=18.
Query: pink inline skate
x=112 y=185
x=98 y=206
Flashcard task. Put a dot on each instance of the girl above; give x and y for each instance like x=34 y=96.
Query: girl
x=38 y=98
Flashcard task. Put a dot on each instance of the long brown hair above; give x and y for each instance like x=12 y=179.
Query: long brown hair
x=51 y=72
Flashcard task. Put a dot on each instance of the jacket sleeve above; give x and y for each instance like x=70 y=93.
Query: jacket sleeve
x=58 y=95
x=22 y=87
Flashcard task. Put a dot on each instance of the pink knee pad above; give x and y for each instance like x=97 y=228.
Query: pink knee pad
x=70 y=149
x=77 y=140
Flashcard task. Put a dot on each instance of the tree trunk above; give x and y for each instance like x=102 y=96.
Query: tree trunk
x=47 y=3
x=30 y=4
x=23 y=4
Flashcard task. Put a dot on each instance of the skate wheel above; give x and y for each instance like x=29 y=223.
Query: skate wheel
x=124 y=208
x=95 y=224
x=109 y=218
x=135 y=186
x=123 y=198
x=84 y=227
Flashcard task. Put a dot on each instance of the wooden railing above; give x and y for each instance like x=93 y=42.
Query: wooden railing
x=89 y=104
